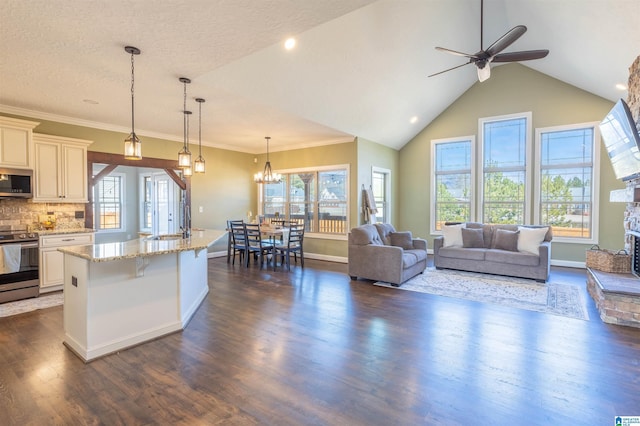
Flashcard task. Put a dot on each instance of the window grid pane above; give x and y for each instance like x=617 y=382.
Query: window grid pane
x=504 y=164
x=317 y=198
x=566 y=191
x=452 y=182
x=109 y=203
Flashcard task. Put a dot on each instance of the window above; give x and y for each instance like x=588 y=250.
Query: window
x=381 y=185
x=567 y=160
x=505 y=143
x=108 y=196
x=318 y=197
x=453 y=183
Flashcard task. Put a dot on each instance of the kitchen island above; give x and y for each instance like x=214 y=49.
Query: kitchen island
x=118 y=295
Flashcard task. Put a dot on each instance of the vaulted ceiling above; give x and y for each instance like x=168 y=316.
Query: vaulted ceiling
x=359 y=67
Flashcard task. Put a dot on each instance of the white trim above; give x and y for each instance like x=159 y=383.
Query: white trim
x=7 y=109
x=595 y=181
x=528 y=116
x=123 y=212
x=317 y=170
x=472 y=166
x=387 y=189
x=568 y=263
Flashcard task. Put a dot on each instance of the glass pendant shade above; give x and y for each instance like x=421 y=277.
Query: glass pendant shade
x=198 y=165
x=132 y=145
x=132 y=148
x=187 y=171
x=184 y=158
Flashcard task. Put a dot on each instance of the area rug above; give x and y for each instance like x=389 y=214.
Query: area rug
x=552 y=298
x=28 y=305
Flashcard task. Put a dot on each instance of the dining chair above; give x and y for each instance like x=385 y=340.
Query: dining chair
x=292 y=245
x=230 y=242
x=238 y=240
x=255 y=244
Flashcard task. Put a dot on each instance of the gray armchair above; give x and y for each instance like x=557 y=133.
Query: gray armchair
x=378 y=252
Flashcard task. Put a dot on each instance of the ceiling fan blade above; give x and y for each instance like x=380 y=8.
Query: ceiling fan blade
x=450 y=69
x=525 y=55
x=454 y=52
x=506 y=40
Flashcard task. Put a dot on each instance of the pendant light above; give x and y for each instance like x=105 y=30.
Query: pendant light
x=132 y=145
x=198 y=165
x=267 y=176
x=184 y=156
x=187 y=170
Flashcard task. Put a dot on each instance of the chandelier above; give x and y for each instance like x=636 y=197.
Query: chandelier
x=198 y=165
x=132 y=145
x=267 y=176
x=184 y=156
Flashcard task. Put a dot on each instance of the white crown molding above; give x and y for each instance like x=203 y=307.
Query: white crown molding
x=23 y=112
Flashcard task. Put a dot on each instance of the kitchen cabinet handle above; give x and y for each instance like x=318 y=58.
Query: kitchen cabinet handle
x=69 y=239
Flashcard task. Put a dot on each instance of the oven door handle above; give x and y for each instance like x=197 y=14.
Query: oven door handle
x=33 y=244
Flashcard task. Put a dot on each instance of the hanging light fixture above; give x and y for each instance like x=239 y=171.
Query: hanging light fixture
x=132 y=145
x=198 y=165
x=187 y=170
x=267 y=176
x=184 y=156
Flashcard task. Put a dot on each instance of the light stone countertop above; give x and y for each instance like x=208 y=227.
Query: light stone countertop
x=60 y=231
x=145 y=246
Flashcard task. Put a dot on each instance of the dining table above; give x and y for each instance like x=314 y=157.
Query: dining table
x=272 y=233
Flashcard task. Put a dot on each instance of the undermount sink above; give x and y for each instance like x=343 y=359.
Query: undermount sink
x=165 y=237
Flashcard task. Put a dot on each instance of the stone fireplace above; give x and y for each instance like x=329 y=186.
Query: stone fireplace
x=617 y=296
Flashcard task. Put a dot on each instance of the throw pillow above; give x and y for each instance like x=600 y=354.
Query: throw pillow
x=506 y=240
x=452 y=235
x=402 y=239
x=530 y=239
x=472 y=238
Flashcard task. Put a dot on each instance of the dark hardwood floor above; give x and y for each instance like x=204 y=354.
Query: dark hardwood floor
x=311 y=347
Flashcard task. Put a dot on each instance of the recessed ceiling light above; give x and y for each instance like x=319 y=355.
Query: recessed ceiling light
x=414 y=119
x=621 y=86
x=290 y=43
x=90 y=101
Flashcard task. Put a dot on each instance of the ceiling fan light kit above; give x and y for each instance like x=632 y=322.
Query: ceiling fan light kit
x=484 y=57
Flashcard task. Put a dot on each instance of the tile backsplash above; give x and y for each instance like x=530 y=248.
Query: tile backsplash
x=17 y=212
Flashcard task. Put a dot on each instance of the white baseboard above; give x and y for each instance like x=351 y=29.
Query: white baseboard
x=568 y=263
x=315 y=256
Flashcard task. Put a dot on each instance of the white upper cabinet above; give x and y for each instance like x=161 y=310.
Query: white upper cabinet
x=16 y=145
x=60 y=171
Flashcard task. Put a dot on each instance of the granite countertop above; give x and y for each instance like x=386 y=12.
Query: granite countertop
x=60 y=231
x=145 y=246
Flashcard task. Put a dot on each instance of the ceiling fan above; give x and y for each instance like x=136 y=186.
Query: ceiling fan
x=484 y=57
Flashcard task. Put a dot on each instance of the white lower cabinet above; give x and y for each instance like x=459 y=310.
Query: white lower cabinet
x=52 y=261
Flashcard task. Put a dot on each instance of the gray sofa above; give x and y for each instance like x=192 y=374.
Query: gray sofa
x=378 y=252
x=490 y=256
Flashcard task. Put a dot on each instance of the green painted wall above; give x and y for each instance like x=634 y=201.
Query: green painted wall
x=511 y=89
x=371 y=154
x=225 y=191
x=327 y=155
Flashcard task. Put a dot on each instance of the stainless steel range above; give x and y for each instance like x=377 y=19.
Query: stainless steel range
x=18 y=264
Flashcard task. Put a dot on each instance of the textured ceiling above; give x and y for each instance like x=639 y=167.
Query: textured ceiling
x=359 y=67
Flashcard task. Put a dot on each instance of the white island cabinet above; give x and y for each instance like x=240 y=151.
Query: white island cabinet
x=118 y=295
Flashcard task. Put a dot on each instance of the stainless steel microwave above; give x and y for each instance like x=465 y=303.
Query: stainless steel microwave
x=16 y=183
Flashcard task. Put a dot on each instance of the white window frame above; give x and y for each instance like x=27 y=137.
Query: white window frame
x=527 y=166
x=595 y=181
x=472 y=163
x=319 y=235
x=123 y=213
x=387 y=190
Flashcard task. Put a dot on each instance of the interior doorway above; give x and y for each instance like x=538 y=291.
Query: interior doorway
x=161 y=204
